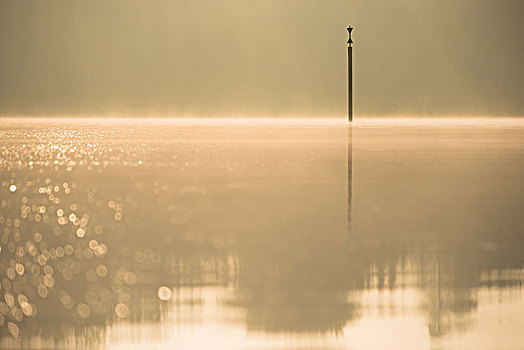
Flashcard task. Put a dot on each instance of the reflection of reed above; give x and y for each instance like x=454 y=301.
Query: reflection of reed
x=446 y=273
x=448 y=301
x=296 y=287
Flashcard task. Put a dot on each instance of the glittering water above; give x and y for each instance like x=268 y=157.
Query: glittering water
x=261 y=234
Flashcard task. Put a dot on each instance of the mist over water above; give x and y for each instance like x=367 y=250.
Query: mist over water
x=260 y=234
x=260 y=58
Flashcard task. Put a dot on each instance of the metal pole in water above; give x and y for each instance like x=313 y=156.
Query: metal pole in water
x=350 y=76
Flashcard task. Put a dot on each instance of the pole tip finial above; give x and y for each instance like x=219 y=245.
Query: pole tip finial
x=350 y=28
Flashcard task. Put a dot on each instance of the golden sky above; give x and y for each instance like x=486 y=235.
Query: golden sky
x=261 y=57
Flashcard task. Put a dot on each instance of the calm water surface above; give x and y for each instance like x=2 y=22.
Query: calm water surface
x=284 y=234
